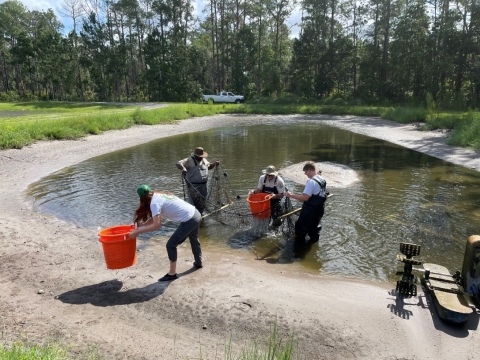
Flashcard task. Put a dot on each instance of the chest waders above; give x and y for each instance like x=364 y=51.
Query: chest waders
x=276 y=209
x=197 y=177
x=310 y=216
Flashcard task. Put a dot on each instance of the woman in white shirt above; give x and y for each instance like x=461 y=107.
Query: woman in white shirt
x=156 y=204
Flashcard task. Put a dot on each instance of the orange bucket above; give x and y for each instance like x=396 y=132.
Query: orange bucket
x=119 y=249
x=260 y=205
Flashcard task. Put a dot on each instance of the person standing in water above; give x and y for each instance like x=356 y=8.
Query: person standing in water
x=157 y=204
x=271 y=183
x=313 y=197
x=195 y=169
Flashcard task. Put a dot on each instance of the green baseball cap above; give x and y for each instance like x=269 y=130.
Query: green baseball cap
x=143 y=190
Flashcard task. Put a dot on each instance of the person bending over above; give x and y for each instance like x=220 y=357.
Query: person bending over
x=157 y=204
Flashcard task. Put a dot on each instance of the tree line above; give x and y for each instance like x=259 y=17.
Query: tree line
x=398 y=51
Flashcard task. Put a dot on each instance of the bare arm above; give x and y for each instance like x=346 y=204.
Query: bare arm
x=299 y=197
x=181 y=165
x=145 y=223
x=214 y=164
x=151 y=225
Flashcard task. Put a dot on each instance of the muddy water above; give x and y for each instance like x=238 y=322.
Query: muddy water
x=403 y=195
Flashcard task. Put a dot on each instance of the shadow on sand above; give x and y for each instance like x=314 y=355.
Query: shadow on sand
x=402 y=308
x=108 y=293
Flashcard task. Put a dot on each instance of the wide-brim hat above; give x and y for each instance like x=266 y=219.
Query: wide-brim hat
x=200 y=152
x=270 y=170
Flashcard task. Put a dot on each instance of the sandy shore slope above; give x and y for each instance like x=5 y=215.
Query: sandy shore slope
x=128 y=314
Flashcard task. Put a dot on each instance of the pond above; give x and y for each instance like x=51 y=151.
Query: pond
x=402 y=195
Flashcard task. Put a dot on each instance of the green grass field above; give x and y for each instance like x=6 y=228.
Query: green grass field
x=60 y=107
x=23 y=123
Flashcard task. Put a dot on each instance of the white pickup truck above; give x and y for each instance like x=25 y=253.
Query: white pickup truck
x=224 y=97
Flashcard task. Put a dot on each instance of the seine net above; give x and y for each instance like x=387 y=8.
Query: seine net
x=223 y=204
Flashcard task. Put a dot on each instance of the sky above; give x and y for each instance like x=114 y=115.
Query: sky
x=198 y=5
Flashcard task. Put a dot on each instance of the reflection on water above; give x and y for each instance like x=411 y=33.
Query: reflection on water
x=403 y=195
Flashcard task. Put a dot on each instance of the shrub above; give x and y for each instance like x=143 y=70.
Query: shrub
x=9 y=96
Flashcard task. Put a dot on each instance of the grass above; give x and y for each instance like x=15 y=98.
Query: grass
x=25 y=352
x=51 y=351
x=466 y=131
x=59 y=123
x=55 y=120
x=273 y=348
x=47 y=106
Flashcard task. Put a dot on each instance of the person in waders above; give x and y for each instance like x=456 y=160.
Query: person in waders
x=155 y=205
x=271 y=183
x=195 y=169
x=313 y=197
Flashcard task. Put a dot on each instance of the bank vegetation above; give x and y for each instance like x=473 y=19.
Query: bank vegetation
x=23 y=123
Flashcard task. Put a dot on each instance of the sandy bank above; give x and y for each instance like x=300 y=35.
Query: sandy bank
x=336 y=175
x=128 y=314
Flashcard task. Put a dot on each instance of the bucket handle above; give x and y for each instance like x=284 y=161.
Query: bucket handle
x=133 y=226
x=269 y=196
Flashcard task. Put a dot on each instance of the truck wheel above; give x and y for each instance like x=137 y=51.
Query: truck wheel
x=210 y=101
x=237 y=101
